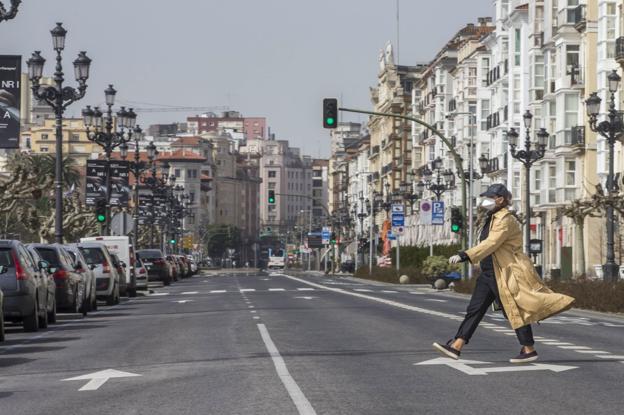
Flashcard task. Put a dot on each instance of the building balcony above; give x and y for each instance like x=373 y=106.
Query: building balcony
x=538 y=39
x=575 y=72
x=577 y=136
x=580 y=19
x=619 y=50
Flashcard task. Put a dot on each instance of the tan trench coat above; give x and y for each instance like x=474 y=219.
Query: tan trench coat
x=524 y=297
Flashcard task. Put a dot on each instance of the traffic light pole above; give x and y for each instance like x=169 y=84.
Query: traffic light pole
x=457 y=158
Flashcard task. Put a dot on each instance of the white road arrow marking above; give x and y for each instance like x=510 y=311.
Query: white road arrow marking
x=97 y=379
x=463 y=366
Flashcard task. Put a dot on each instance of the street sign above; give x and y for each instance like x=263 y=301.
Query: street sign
x=398 y=230
x=315 y=239
x=437 y=213
x=95 y=182
x=465 y=366
x=325 y=235
x=10 y=96
x=425 y=212
x=398 y=217
x=122 y=224
x=120 y=184
x=398 y=208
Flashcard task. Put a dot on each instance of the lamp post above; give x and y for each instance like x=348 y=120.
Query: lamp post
x=611 y=129
x=8 y=15
x=137 y=167
x=443 y=181
x=527 y=157
x=109 y=134
x=58 y=97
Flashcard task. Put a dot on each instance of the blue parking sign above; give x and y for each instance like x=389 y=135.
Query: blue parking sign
x=437 y=213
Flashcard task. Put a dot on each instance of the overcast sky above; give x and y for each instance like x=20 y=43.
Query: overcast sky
x=272 y=58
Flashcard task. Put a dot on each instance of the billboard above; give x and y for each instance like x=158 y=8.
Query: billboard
x=10 y=72
x=96 y=182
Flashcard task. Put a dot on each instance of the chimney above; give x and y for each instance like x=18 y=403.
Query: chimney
x=483 y=21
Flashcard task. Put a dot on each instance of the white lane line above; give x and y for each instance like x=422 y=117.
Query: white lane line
x=362 y=290
x=251 y=306
x=557 y=343
x=247 y=290
x=218 y=291
x=611 y=356
x=301 y=402
x=276 y=289
x=416 y=293
x=305 y=289
x=436 y=300
x=158 y=294
x=592 y=351
x=543 y=340
x=575 y=347
x=190 y=292
x=253 y=311
x=389 y=292
x=256 y=318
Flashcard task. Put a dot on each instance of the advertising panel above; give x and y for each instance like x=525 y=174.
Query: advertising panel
x=10 y=72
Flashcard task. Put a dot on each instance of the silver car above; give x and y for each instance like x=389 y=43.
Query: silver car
x=84 y=268
x=106 y=277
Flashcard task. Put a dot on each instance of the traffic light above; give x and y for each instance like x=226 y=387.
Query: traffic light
x=457 y=220
x=272 y=197
x=332 y=240
x=172 y=241
x=330 y=113
x=100 y=210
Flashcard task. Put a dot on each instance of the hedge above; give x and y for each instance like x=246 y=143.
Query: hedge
x=413 y=256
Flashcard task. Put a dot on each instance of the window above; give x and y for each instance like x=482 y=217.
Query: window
x=485 y=68
x=552 y=182
x=177 y=173
x=74 y=137
x=537 y=182
x=271 y=185
x=317 y=183
x=571 y=116
x=571 y=11
x=572 y=56
x=44 y=149
x=191 y=174
x=28 y=144
x=191 y=197
x=517 y=47
x=570 y=172
x=538 y=72
x=272 y=173
x=485 y=112
x=44 y=136
x=517 y=93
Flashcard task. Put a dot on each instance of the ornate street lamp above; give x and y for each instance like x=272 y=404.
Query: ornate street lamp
x=611 y=129
x=137 y=167
x=8 y=15
x=440 y=185
x=528 y=157
x=109 y=133
x=58 y=97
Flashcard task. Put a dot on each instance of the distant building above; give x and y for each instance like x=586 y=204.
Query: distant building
x=232 y=122
x=320 y=190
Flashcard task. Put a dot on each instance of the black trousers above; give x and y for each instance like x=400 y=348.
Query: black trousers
x=484 y=294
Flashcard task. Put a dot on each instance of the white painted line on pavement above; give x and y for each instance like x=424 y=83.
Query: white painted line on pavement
x=247 y=290
x=611 y=356
x=190 y=292
x=301 y=402
x=305 y=289
x=575 y=347
x=158 y=294
x=557 y=343
x=276 y=289
x=510 y=334
x=253 y=311
x=416 y=293
x=218 y=291
x=389 y=292
x=436 y=300
x=362 y=290
x=251 y=306
x=592 y=351
x=542 y=340
x=256 y=318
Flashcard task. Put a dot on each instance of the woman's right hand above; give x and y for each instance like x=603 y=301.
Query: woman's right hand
x=455 y=259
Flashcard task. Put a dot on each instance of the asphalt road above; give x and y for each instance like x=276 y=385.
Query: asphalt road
x=251 y=343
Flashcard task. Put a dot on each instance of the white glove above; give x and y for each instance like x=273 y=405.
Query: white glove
x=455 y=259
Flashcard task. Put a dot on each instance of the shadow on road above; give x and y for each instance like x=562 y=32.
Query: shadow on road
x=14 y=361
x=41 y=340
x=31 y=349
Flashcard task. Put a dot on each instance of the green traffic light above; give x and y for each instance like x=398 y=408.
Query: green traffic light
x=101 y=218
x=271 y=200
x=330 y=121
x=455 y=228
x=173 y=241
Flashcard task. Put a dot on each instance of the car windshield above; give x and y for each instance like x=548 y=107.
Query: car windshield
x=49 y=255
x=93 y=255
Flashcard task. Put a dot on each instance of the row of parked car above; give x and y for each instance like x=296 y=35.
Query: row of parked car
x=36 y=280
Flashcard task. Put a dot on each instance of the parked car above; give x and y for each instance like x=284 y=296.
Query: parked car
x=142 y=279
x=70 y=285
x=121 y=247
x=193 y=264
x=156 y=264
x=183 y=266
x=174 y=267
x=106 y=277
x=48 y=282
x=86 y=270
x=120 y=267
x=23 y=286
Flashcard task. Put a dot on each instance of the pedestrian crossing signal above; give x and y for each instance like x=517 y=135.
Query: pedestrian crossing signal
x=330 y=112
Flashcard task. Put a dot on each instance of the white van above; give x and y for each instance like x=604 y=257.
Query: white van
x=120 y=246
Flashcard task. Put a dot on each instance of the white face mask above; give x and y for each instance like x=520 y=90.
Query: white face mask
x=488 y=204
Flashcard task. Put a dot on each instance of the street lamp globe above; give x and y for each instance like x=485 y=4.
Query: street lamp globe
x=592 y=105
x=122 y=117
x=97 y=118
x=87 y=116
x=35 y=66
x=138 y=133
x=542 y=137
x=512 y=136
x=448 y=176
x=420 y=186
x=437 y=164
x=109 y=94
x=151 y=150
x=81 y=67
x=131 y=118
x=527 y=118
x=123 y=150
x=58 y=37
x=614 y=81
x=484 y=163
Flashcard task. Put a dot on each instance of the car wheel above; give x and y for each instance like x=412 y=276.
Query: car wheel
x=52 y=314
x=43 y=320
x=167 y=281
x=31 y=322
x=1 y=325
x=84 y=306
x=94 y=303
x=132 y=292
x=110 y=300
x=117 y=295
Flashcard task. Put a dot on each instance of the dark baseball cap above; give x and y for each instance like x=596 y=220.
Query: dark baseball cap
x=496 y=190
